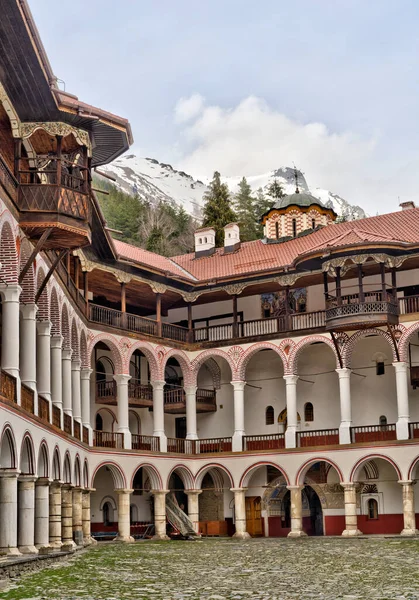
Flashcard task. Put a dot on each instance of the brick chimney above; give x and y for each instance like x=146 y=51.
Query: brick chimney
x=407 y=205
x=231 y=238
x=204 y=242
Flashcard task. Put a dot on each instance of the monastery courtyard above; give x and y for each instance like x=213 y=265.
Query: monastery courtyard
x=327 y=568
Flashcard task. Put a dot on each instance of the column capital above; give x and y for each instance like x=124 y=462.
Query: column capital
x=295 y=487
x=124 y=491
x=190 y=389
x=85 y=373
x=66 y=354
x=238 y=385
x=406 y=482
x=10 y=293
x=400 y=366
x=67 y=486
x=349 y=485
x=75 y=364
x=43 y=481
x=88 y=490
x=122 y=378
x=27 y=478
x=290 y=379
x=10 y=474
x=344 y=372
x=238 y=490
x=158 y=385
x=29 y=311
x=159 y=492
x=57 y=341
x=193 y=492
x=43 y=327
x=56 y=483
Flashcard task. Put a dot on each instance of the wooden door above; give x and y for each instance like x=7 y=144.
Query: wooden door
x=254 y=516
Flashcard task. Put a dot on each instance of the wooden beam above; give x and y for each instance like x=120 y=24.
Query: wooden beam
x=394 y=282
x=59 y=139
x=235 y=326
x=36 y=250
x=325 y=284
x=335 y=343
x=383 y=280
x=50 y=272
x=338 y=287
x=86 y=290
x=360 y=285
x=100 y=191
x=18 y=153
x=102 y=174
x=190 y=323
x=158 y=315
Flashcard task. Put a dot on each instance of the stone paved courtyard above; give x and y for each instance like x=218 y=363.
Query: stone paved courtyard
x=215 y=569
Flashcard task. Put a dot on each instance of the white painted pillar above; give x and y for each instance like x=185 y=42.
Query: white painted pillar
x=77 y=516
x=43 y=359
x=238 y=392
x=67 y=517
x=123 y=408
x=87 y=538
x=402 y=425
x=124 y=531
x=10 y=332
x=76 y=391
x=56 y=371
x=240 y=513
x=292 y=418
x=409 y=516
x=66 y=381
x=191 y=430
x=193 y=507
x=27 y=347
x=351 y=518
x=85 y=401
x=345 y=405
x=158 y=413
x=8 y=512
x=42 y=515
x=296 y=511
x=55 y=515
x=160 y=514
x=26 y=514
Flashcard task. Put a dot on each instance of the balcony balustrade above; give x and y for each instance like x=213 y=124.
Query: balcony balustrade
x=77 y=429
x=361 y=310
x=67 y=424
x=85 y=435
x=145 y=442
x=27 y=398
x=8 y=386
x=108 y=439
x=373 y=433
x=56 y=416
x=270 y=441
x=43 y=409
x=319 y=437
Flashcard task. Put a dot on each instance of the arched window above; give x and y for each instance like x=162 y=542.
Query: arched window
x=107 y=513
x=205 y=240
x=294 y=227
x=200 y=240
x=99 y=422
x=381 y=368
x=308 y=412
x=313 y=223
x=372 y=509
x=277 y=230
x=383 y=421
x=269 y=416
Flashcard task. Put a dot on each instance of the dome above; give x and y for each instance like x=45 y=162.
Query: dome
x=297 y=199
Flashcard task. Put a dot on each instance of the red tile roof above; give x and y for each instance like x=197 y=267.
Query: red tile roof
x=395 y=228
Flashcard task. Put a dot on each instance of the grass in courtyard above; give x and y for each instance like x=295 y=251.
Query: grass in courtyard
x=314 y=568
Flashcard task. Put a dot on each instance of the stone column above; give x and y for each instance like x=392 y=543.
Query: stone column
x=43 y=360
x=42 y=515
x=160 y=514
x=158 y=413
x=402 y=425
x=190 y=393
x=56 y=372
x=296 y=511
x=193 y=507
x=10 y=331
x=77 y=516
x=123 y=409
x=28 y=345
x=292 y=417
x=66 y=381
x=345 y=405
x=85 y=401
x=26 y=514
x=86 y=526
x=238 y=392
x=240 y=513
x=55 y=515
x=124 y=525
x=8 y=512
x=76 y=392
x=409 y=517
x=351 y=519
x=67 y=517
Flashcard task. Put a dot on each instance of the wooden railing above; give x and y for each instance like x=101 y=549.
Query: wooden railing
x=77 y=429
x=140 y=324
x=414 y=430
x=43 y=408
x=8 y=180
x=8 y=386
x=174 y=395
x=105 y=389
x=318 y=437
x=213 y=333
x=85 y=434
x=105 y=316
x=176 y=445
x=409 y=305
x=379 y=302
x=139 y=391
x=67 y=423
x=56 y=416
x=208 y=445
x=270 y=441
x=27 y=398
x=174 y=332
x=145 y=442
x=108 y=439
x=206 y=396
x=373 y=433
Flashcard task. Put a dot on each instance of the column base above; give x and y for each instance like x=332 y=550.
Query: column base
x=241 y=535
x=56 y=546
x=68 y=546
x=409 y=532
x=89 y=541
x=28 y=550
x=351 y=533
x=47 y=549
x=126 y=539
x=10 y=551
x=160 y=537
x=297 y=534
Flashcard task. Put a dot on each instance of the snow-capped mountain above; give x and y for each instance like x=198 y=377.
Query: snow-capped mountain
x=155 y=181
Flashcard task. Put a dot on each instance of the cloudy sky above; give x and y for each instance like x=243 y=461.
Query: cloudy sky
x=245 y=87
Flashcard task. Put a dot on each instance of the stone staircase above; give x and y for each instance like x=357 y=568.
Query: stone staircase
x=178 y=518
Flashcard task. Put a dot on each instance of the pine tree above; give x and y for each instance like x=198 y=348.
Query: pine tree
x=217 y=209
x=244 y=204
x=262 y=205
x=275 y=190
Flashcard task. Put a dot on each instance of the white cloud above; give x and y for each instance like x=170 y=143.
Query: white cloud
x=188 y=108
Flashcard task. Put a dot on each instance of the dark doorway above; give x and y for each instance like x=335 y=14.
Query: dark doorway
x=286 y=511
x=316 y=511
x=180 y=428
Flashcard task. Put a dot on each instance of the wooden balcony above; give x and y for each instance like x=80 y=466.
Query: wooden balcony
x=355 y=311
x=203 y=446
x=27 y=398
x=145 y=442
x=270 y=441
x=139 y=395
x=43 y=408
x=108 y=439
x=373 y=433
x=175 y=401
x=8 y=386
x=317 y=437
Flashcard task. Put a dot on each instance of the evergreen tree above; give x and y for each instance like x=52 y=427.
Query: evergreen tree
x=245 y=210
x=217 y=210
x=275 y=190
x=262 y=205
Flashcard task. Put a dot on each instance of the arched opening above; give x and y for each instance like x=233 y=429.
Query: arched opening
x=294 y=228
x=56 y=466
x=214 y=395
x=27 y=466
x=315 y=509
x=174 y=400
x=8 y=450
x=104 y=501
x=104 y=370
x=108 y=516
x=308 y=412
x=43 y=461
x=145 y=479
x=270 y=416
x=105 y=420
x=67 y=469
x=216 y=503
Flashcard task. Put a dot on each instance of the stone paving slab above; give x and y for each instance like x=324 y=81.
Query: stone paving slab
x=224 y=569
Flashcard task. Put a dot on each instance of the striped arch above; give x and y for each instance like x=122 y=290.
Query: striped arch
x=8 y=450
x=412 y=469
x=254 y=349
x=302 y=471
x=349 y=348
x=27 y=455
x=148 y=351
x=114 y=349
x=8 y=250
x=28 y=283
x=43 y=300
x=55 y=312
x=56 y=465
x=356 y=469
x=307 y=341
x=43 y=460
x=404 y=341
x=207 y=358
x=85 y=474
x=77 y=472
x=185 y=475
x=245 y=478
x=152 y=473
x=220 y=471
x=187 y=372
x=65 y=327
x=75 y=340
x=84 y=356
x=67 y=468
x=371 y=469
x=117 y=473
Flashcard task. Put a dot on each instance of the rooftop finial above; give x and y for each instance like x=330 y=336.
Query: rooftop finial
x=297 y=191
